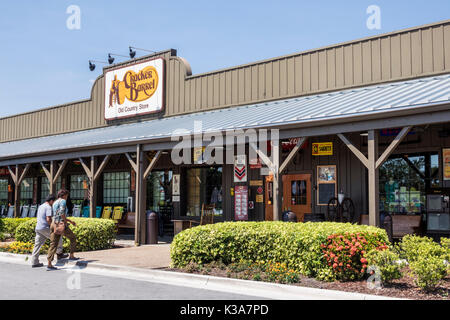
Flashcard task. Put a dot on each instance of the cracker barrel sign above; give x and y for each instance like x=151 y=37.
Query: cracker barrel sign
x=134 y=90
x=322 y=149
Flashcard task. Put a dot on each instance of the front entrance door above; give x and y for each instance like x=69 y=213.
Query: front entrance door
x=297 y=194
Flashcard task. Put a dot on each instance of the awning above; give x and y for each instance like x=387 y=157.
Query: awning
x=342 y=105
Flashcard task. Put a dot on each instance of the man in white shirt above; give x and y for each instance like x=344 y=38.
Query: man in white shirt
x=44 y=220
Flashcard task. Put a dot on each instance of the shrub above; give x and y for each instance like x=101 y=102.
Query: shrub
x=428 y=271
x=413 y=247
x=91 y=234
x=346 y=254
x=10 y=225
x=387 y=262
x=2 y=237
x=298 y=245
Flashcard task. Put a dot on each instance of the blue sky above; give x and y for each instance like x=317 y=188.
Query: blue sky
x=43 y=63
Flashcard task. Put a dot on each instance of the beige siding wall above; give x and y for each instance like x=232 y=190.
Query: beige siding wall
x=400 y=55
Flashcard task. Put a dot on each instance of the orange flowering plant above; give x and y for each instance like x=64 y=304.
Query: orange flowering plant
x=345 y=253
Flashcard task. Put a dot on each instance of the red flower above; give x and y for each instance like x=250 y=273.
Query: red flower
x=363 y=260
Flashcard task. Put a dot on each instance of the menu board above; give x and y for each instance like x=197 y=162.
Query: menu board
x=241 y=203
x=326 y=184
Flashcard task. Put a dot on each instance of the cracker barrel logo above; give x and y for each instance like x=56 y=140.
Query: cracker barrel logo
x=322 y=149
x=136 y=87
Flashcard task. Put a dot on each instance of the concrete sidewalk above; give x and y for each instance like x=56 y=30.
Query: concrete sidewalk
x=148 y=256
x=236 y=286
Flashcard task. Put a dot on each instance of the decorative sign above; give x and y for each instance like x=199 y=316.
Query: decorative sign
x=259 y=198
x=326 y=184
x=240 y=168
x=198 y=155
x=176 y=185
x=322 y=149
x=241 y=203
x=255 y=163
x=392 y=132
x=256 y=183
x=446 y=159
x=175 y=198
x=4 y=172
x=291 y=143
x=251 y=205
x=260 y=190
x=134 y=90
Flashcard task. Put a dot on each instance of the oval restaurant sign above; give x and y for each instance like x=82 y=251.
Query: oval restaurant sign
x=134 y=90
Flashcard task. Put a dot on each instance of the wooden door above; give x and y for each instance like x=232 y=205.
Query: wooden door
x=297 y=194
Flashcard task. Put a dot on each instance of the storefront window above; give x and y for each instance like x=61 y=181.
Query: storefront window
x=405 y=181
x=204 y=186
x=26 y=191
x=3 y=191
x=78 y=185
x=45 y=187
x=116 y=187
x=159 y=190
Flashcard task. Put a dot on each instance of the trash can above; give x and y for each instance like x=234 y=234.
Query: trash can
x=387 y=225
x=152 y=228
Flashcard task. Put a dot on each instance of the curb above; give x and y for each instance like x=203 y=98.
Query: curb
x=237 y=286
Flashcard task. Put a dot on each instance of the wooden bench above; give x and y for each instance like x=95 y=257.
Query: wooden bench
x=127 y=221
x=401 y=224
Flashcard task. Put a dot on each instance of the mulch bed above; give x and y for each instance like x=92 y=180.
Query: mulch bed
x=403 y=288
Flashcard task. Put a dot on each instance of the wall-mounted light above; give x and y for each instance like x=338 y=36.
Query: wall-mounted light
x=133 y=52
x=111 y=59
x=92 y=65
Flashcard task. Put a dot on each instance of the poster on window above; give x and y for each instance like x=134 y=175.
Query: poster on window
x=241 y=203
x=446 y=159
x=240 y=168
x=176 y=185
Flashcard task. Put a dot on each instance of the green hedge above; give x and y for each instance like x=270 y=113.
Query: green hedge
x=92 y=234
x=9 y=225
x=299 y=245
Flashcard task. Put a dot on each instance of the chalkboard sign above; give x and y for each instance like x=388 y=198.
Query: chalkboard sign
x=325 y=192
x=326 y=184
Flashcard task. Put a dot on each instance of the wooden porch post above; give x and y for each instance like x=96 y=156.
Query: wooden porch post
x=139 y=236
x=17 y=179
x=373 y=176
x=372 y=163
x=276 y=180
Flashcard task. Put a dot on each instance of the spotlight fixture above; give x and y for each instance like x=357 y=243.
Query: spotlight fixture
x=92 y=65
x=111 y=59
x=132 y=53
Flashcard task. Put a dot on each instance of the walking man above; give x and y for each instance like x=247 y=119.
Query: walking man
x=44 y=220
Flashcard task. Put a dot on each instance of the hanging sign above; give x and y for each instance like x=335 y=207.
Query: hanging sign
x=326 y=184
x=446 y=159
x=134 y=90
x=322 y=149
x=241 y=203
x=255 y=163
x=3 y=172
x=240 y=168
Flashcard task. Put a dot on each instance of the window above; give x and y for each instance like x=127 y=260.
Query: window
x=3 y=191
x=159 y=190
x=405 y=180
x=116 y=187
x=204 y=186
x=77 y=187
x=26 y=190
x=45 y=187
x=298 y=192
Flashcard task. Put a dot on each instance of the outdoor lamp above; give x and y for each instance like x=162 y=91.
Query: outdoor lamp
x=91 y=66
x=110 y=59
x=132 y=53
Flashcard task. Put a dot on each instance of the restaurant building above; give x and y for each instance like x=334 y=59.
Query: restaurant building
x=368 y=119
